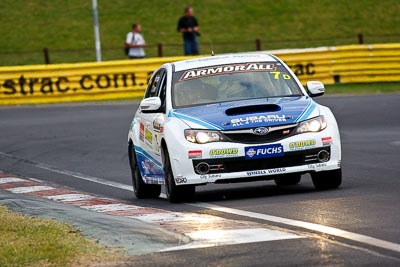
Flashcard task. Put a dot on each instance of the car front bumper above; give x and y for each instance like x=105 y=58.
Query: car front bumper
x=229 y=162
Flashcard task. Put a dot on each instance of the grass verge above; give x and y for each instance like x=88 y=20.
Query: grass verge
x=28 y=241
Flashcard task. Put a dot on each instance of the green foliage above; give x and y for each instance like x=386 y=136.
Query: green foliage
x=232 y=26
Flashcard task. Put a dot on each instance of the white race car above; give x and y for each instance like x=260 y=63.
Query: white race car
x=230 y=118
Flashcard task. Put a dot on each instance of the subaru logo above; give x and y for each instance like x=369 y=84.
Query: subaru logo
x=261 y=131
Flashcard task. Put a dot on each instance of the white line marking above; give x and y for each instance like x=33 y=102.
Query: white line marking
x=29 y=189
x=110 y=207
x=6 y=180
x=178 y=217
x=158 y=217
x=212 y=238
x=310 y=226
x=70 y=197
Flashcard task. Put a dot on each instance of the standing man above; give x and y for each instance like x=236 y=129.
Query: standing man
x=134 y=42
x=189 y=28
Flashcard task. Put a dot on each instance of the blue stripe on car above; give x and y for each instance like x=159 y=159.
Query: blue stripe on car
x=139 y=150
x=307 y=111
x=203 y=123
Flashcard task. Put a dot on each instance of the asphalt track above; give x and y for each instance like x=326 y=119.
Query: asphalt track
x=62 y=144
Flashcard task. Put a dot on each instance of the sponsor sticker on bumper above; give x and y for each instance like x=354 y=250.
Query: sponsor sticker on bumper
x=224 y=153
x=195 y=154
x=326 y=140
x=266 y=151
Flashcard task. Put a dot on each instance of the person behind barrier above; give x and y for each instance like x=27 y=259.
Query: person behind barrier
x=135 y=43
x=189 y=28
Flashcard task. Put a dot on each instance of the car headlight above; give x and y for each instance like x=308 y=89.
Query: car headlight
x=203 y=136
x=314 y=125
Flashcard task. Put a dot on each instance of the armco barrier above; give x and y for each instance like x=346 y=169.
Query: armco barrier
x=345 y=64
x=128 y=78
x=76 y=82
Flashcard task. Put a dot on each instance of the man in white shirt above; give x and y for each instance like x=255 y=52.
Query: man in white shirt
x=135 y=42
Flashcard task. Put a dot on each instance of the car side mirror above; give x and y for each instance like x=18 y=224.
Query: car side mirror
x=150 y=104
x=315 y=88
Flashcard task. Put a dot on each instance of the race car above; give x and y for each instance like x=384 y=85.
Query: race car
x=230 y=118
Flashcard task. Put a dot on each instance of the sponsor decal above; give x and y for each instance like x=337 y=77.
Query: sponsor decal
x=316 y=166
x=153 y=180
x=266 y=172
x=258 y=119
x=180 y=180
x=141 y=132
x=157 y=147
x=225 y=69
x=195 y=154
x=266 y=151
x=71 y=83
x=210 y=176
x=158 y=127
x=224 y=152
x=148 y=135
x=326 y=140
x=298 y=145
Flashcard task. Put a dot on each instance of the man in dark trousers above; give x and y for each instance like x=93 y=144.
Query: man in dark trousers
x=189 y=28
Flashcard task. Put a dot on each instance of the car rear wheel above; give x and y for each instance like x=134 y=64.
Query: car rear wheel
x=327 y=179
x=141 y=189
x=289 y=179
x=175 y=194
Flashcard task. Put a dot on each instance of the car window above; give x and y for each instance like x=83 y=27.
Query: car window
x=231 y=83
x=162 y=90
x=154 y=84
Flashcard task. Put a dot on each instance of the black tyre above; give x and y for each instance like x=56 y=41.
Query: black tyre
x=141 y=189
x=327 y=179
x=289 y=179
x=175 y=194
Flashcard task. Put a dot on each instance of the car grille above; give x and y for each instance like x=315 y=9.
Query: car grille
x=248 y=137
x=295 y=158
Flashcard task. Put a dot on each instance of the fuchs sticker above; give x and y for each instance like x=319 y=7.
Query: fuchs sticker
x=195 y=154
x=225 y=69
x=326 y=140
x=267 y=151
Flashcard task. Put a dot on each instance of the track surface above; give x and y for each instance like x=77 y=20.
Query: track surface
x=91 y=140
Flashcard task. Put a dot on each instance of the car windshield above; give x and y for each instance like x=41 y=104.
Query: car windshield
x=232 y=83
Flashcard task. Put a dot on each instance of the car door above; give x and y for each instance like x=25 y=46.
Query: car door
x=151 y=125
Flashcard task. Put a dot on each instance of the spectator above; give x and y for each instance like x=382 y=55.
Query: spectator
x=135 y=42
x=189 y=28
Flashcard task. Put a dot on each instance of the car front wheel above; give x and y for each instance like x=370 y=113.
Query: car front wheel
x=141 y=189
x=327 y=179
x=175 y=193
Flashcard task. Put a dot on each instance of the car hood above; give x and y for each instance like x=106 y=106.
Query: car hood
x=248 y=113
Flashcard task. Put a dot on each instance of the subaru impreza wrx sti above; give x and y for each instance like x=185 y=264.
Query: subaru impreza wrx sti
x=230 y=118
